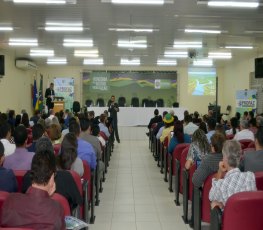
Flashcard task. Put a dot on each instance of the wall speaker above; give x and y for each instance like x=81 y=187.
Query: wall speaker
x=2 y=65
x=259 y=68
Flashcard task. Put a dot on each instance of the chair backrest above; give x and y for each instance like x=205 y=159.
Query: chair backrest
x=87 y=176
x=160 y=102
x=230 y=136
x=243 y=211
x=251 y=145
x=19 y=178
x=89 y=103
x=29 y=139
x=56 y=148
x=100 y=102
x=245 y=143
x=175 y=104
x=121 y=101
x=135 y=102
x=145 y=102
x=191 y=185
x=182 y=164
x=205 y=216
x=259 y=180
x=63 y=202
x=3 y=197
x=103 y=135
x=177 y=152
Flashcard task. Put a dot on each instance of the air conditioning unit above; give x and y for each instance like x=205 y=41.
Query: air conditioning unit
x=26 y=65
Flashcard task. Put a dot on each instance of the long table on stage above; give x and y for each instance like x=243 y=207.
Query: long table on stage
x=137 y=116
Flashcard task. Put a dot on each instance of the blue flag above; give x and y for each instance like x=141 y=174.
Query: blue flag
x=35 y=95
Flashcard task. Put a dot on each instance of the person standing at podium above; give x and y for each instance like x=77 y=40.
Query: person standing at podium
x=114 y=109
x=49 y=95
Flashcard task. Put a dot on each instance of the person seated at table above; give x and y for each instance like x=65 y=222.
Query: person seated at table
x=36 y=209
x=7 y=177
x=198 y=149
x=178 y=137
x=253 y=160
x=209 y=163
x=65 y=184
x=245 y=133
x=229 y=179
x=189 y=126
x=157 y=118
x=168 y=126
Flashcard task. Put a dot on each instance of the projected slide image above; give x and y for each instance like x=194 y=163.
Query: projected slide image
x=202 y=82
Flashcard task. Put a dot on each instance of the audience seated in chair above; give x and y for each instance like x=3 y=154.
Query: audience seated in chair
x=168 y=126
x=209 y=163
x=211 y=125
x=178 y=137
x=21 y=159
x=199 y=148
x=159 y=125
x=157 y=118
x=36 y=209
x=103 y=126
x=189 y=127
x=5 y=135
x=229 y=179
x=253 y=160
x=244 y=133
x=65 y=184
x=234 y=124
x=37 y=131
x=8 y=181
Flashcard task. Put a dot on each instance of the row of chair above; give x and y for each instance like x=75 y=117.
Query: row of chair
x=174 y=165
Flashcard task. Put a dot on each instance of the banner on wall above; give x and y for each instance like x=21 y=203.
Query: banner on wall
x=64 y=87
x=246 y=100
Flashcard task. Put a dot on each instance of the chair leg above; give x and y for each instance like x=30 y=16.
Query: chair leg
x=177 y=182
x=185 y=195
x=170 y=188
x=165 y=165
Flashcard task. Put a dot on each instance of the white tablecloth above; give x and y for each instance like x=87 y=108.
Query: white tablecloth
x=137 y=116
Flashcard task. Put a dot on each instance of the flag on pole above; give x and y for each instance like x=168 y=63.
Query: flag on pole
x=35 y=95
x=39 y=103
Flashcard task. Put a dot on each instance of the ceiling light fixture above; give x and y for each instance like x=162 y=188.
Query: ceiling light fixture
x=203 y=62
x=136 y=30
x=139 y=2
x=6 y=28
x=176 y=54
x=125 y=61
x=22 y=42
x=57 y=61
x=239 y=47
x=237 y=4
x=219 y=55
x=178 y=44
x=166 y=62
x=41 y=53
x=61 y=26
x=93 y=61
x=140 y=44
x=60 y=2
x=86 y=53
x=78 y=43
x=202 y=31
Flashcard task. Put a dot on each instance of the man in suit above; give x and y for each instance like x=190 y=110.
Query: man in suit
x=49 y=95
x=253 y=161
x=114 y=109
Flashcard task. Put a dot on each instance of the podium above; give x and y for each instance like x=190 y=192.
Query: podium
x=58 y=106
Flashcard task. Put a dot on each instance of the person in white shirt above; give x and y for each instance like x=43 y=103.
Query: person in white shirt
x=245 y=133
x=5 y=135
x=189 y=127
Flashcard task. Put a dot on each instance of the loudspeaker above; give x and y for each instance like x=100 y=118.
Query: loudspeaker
x=259 y=68
x=2 y=65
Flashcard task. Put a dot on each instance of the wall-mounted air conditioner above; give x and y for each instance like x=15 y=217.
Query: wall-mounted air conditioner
x=26 y=65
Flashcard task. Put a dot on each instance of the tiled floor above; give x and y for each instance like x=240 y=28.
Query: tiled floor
x=135 y=197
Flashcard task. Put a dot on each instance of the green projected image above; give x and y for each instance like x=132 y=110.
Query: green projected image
x=202 y=81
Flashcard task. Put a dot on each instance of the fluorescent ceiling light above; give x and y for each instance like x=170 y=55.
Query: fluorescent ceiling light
x=78 y=43
x=86 y=53
x=219 y=55
x=41 y=53
x=202 y=31
x=136 y=30
x=239 y=47
x=175 y=54
x=6 y=28
x=40 y=1
x=57 y=61
x=166 y=62
x=140 y=44
x=187 y=44
x=23 y=42
x=125 y=61
x=141 y=2
x=203 y=62
x=94 y=61
x=64 y=26
x=233 y=4
x=254 y=31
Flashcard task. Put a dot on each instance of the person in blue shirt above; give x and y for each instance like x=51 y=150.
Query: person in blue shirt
x=8 y=181
x=85 y=150
x=178 y=137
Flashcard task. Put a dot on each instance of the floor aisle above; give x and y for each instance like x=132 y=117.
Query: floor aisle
x=135 y=197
